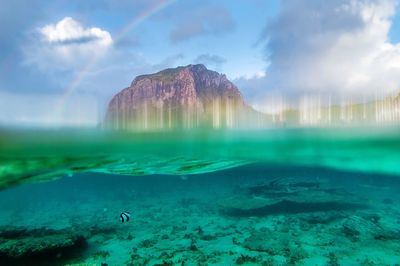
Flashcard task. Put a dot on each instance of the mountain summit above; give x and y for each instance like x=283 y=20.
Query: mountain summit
x=183 y=97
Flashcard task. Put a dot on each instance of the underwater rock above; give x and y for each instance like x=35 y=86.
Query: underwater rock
x=189 y=236
x=102 y=254
x=261 y=241
x=289 y=196
x=204 y=236
x=245 y=259
x=275 y=243
x=281 y=187
x=20 y=246
x=333 y=259
x=386 y=235
x=137 y=260
x=147 y=243
x=293 y=207
x=193 y=246
x=350 y=231
x=165 y=263
x=200 y=230
x=208 y=237
x=358 y=228
x=235 y=241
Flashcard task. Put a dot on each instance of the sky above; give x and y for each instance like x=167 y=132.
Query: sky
x=62 y=61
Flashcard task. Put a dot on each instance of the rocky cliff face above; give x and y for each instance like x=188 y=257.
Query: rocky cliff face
x=190 y=96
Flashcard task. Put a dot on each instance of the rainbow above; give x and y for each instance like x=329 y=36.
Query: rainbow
x=136 y=21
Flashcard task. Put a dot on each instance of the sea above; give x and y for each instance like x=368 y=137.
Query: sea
x=279 y=196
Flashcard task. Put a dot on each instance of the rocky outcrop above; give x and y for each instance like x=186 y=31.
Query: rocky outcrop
x=22 y=246
x=182 y=97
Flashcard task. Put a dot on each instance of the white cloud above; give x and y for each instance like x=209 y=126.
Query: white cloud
x=70 y=31
x=341 y=48
x=358 y=62
x=66 y=45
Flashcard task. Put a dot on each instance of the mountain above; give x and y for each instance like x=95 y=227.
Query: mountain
x=183 y=97
x=348 y=113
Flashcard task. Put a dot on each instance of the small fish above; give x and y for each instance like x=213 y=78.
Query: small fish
x=124 y=216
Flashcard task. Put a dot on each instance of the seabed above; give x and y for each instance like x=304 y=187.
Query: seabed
x=272 y=197
x=256 y=214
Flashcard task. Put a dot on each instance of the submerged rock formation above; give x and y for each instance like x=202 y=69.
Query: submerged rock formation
x=22 y=246
x=285 y=196
x=182 y=97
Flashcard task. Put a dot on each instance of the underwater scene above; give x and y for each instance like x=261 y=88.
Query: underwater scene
x=199 y=132
x=266 y=197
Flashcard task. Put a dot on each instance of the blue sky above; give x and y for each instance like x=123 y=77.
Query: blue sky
x=61 y=61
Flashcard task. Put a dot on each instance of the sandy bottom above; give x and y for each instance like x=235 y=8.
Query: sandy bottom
x=189 y=220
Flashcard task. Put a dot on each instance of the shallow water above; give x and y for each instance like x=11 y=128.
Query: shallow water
x=272 y=197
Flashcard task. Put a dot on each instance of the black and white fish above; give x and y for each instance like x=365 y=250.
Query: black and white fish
x=124 y=216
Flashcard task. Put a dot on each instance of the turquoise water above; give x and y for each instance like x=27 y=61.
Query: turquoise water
x=271 y=197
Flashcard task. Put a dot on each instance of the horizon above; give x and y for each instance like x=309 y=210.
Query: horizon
x=199 y=132
x=61 y=63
